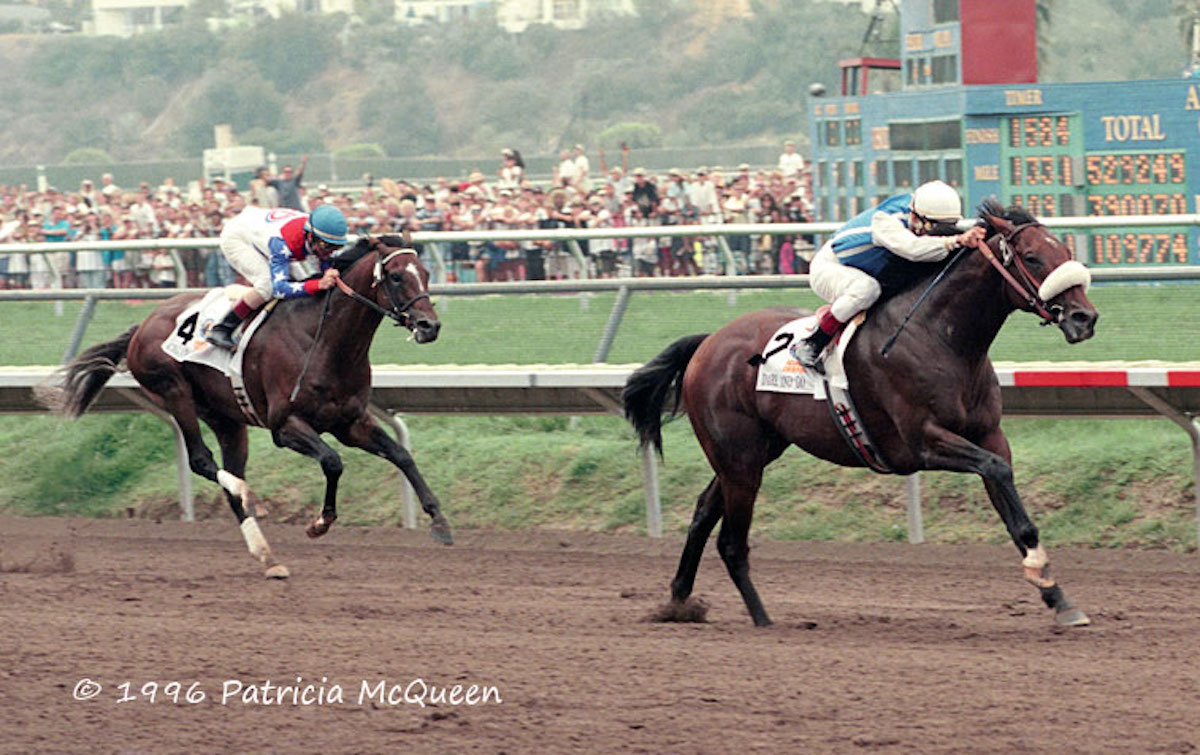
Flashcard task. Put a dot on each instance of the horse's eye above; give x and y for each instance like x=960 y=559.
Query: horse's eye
x=396 y=278
x=1033 y=260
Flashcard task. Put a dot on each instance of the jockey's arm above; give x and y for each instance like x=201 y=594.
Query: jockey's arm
x=282 y=286
x=887 y=231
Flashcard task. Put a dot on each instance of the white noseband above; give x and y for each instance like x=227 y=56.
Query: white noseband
x=1067 y=275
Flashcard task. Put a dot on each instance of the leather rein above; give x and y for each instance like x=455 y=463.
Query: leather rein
x=1027 y=287
x=399 y=311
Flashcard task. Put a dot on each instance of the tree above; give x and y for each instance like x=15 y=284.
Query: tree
x=290 y=50
x=1188 y=13
x=635 y=135
x=240 y=98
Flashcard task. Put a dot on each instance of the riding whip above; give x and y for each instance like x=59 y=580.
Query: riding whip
x=311 y=349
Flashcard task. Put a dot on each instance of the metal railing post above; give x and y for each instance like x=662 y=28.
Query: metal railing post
x=577 y=253
x=439 y=262
x=916 y=526
x=727 y=255
x=1190 y=425
x=183 y=468
x=81 y=325
x=614 y=323
x=408 y=496
x=654 y=521
x=181 y=280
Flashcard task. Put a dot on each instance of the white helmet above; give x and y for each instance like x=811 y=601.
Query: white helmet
x=937 y=201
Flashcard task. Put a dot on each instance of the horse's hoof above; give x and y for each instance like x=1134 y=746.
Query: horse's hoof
x=278 y=571
x=441 y=533
x=319 y=526
x=1072 y=617
x=693 y=610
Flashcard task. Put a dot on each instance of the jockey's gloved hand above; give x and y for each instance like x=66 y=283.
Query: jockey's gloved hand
x=972 y=238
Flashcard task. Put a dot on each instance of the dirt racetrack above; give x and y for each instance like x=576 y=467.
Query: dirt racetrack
x=875 y=647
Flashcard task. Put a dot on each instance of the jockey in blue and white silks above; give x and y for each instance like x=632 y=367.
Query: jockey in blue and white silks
x=261 y=244
x=847 y=270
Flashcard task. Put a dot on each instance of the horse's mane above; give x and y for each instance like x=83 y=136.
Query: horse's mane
x=1013 y=214
x=345 y=259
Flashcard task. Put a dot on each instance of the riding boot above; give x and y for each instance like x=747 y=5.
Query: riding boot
x=810 y=350
x=221 y=334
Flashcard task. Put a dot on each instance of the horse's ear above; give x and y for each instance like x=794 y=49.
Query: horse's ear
x=407 y=236
x=999 y=224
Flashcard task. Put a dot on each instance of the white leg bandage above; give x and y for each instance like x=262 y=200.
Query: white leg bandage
x=254 y=538
x=235 y=485
x=1035 y=563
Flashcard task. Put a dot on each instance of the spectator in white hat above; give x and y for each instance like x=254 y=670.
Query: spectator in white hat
x=791 y=163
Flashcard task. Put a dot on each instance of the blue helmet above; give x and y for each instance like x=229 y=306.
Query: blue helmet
x=328 y=224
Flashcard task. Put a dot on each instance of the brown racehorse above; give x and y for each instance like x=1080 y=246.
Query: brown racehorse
x=932 y=403
x=314 y=347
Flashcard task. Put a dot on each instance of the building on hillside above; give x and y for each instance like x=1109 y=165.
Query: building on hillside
x=24 y=19
x=517 y=15
x=866 y=6
x=512 y=15
x=963 y=103
x=124 y=18
x=413 y=12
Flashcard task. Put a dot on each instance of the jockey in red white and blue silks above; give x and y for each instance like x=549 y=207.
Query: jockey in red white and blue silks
x=261 y=244
x=847 y=270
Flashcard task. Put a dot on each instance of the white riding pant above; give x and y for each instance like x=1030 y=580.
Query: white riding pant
x=250 y=264
x=847 y=289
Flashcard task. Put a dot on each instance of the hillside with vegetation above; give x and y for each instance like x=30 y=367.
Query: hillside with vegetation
x=670 y=77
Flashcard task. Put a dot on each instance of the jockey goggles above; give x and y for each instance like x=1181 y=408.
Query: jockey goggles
x=321 y=247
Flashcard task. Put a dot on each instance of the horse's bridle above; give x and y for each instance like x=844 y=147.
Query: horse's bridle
x=399 y=311
x=1028 y=286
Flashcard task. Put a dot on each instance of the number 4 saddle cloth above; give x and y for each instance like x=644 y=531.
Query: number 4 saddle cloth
x=187 y=342
x=780 y=372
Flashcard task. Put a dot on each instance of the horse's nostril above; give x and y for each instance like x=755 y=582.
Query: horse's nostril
x=1082 y=318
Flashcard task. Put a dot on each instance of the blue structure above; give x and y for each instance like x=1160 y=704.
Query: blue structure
x=963 y=104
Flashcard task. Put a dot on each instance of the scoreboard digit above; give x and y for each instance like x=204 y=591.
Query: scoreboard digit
x=1137 y=182
x=1040 y=171
x=1044 y=168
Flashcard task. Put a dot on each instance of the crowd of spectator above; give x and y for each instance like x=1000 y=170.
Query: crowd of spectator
x=575 y=197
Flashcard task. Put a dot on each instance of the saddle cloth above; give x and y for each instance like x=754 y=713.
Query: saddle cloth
x=780 y=372
x=187 y=341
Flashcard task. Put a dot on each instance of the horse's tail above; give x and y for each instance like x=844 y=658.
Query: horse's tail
x=646 y=392
x=84 y=377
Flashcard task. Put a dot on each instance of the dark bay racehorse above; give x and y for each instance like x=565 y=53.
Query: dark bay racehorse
x=932 y=403
x=332 y=384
